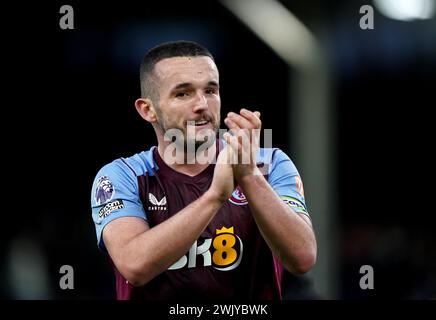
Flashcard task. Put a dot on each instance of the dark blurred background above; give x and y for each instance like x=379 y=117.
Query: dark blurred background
x=353 y=114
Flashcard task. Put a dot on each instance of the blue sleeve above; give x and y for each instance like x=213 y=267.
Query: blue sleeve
x=114 y=194
x=286 y=181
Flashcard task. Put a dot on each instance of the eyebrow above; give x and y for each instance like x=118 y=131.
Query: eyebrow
x=186 y=85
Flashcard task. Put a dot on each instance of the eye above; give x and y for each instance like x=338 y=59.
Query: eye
x=211 y=90
x=181 y=94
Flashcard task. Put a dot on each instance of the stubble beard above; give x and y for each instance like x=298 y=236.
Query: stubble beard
x=209 y=138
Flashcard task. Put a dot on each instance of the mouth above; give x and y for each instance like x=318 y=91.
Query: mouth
x=198 y=123
x=201 y=123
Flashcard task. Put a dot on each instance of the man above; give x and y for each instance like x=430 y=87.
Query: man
x=195 y=229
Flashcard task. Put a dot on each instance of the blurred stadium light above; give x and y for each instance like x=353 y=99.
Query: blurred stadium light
x=310 y=124
x=279 y=29
x=406 y=10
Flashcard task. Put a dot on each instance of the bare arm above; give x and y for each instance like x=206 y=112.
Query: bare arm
x=141 y=253
x=289 y=235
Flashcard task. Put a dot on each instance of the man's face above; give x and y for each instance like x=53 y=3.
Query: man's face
x=188 y=91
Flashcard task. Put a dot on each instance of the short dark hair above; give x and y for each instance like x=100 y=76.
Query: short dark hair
x=165 y=50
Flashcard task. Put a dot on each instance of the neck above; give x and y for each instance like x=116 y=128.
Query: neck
x=180 y=161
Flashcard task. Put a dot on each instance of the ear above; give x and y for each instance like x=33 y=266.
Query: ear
x=146 y=109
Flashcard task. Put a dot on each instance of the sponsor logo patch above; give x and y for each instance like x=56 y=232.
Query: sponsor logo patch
x=294 y=204
x=157 y=205
x=223 y=252
x=108 y=208
x=104 y=191
x=238 y=197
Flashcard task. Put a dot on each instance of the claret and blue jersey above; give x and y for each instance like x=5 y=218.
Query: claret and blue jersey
x=230 y=259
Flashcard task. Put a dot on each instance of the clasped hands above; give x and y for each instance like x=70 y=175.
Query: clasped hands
x=243 y=142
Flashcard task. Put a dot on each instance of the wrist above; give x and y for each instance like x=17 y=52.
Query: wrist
x=214 y=198
x=249 y=176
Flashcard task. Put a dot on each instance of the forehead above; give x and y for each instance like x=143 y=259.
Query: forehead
x=175 y=70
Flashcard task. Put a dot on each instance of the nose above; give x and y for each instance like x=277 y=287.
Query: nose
x=200 y=103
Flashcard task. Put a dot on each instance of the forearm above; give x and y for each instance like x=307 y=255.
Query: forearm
x=287 y=234
x=156 y=249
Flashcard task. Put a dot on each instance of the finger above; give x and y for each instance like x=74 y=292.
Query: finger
x=225 y=154
x=232 y=141
x=227 y=137
x=252 y=117
x=241 y=121
x=233 y=126
x=232 y=145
